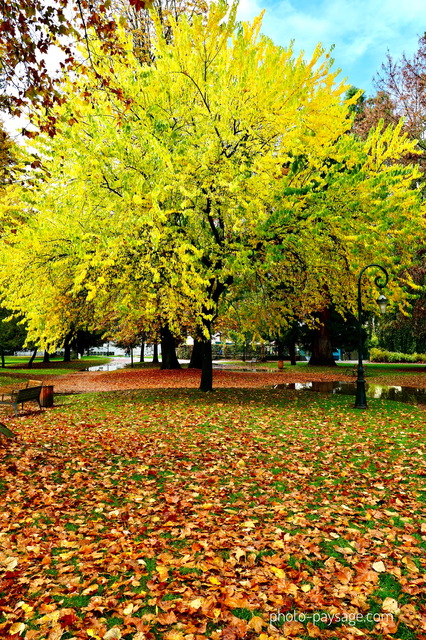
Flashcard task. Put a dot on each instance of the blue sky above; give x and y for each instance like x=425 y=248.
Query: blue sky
x=361 y=30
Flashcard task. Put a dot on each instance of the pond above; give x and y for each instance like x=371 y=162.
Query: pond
x=410 y=395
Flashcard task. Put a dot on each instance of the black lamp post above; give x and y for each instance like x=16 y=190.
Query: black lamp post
x=361 y=398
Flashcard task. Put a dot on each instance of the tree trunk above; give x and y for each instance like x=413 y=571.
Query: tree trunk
x=292 y=352
x=67 y=349
x=322 y=349
x=196 y=361
x=3 y=363
x=206 y=382
x=280 y=349
x=46 y=357
x=168 y=350
x=142 y=358
x=155 y=353
x=216 y=290
x=31 y=360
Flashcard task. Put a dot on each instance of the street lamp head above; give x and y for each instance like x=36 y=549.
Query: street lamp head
x=383 y=302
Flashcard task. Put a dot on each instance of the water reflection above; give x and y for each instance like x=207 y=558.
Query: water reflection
x=411 y=395
x=108 y=367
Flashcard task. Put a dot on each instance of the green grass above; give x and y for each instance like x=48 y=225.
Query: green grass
x=17 y=367
x=220 y=508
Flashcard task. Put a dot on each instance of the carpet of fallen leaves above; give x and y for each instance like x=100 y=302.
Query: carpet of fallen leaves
x=247 y=513
x=190 y=378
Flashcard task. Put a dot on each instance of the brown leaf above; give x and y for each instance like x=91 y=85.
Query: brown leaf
x=167 y=618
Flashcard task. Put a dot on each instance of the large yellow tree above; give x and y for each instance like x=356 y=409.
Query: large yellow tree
x=172 y=182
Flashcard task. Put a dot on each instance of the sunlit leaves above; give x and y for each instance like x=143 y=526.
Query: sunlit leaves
x=169 y=514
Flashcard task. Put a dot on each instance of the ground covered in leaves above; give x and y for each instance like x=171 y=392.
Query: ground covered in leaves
x=247 y=513
x=152 y=377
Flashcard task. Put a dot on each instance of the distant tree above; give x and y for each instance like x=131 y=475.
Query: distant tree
x=12 y=334
x=359 y=104
x=340 y=333
x=401 y=93
x=407 y=333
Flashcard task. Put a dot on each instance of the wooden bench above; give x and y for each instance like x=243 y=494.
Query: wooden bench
x=31 y=393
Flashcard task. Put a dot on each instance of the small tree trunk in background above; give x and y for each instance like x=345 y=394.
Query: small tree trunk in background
x=168 y=350
x=196 y=361
x=142 y=358
x=31 y=360
x=67 y=349
x=3 y=363
x=322 y=350
x=46 y=357
x=206 y=382
x=292 y=352
x=155 y=353
x=280 y=349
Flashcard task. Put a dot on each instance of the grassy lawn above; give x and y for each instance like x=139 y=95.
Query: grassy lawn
x=17 y=367
x=249 y=514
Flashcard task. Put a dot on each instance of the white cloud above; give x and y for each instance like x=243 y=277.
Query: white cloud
x=361 y=31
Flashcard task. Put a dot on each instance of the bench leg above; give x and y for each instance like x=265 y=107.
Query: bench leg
x=15 y=408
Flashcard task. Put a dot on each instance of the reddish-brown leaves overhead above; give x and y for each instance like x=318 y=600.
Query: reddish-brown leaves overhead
x=140 y=4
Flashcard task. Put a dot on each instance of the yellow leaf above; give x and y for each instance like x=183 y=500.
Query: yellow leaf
x=379 y=566
x=17 y=627
x=214 y=580
x=128 y=610
x=49 y=618
x=411 y=566
x=256 y=623
x=390 y=605
x=24 y=606
x=163 y=572
x=278 y=572
x=11 y=563
x=90 y=589
x=196 y=603
x=173 y=635
x=113 y=634
x=239 y=553
x=306 y=588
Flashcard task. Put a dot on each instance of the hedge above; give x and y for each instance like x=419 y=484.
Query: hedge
x=380 y=355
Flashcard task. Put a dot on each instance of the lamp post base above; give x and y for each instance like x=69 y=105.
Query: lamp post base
x=360 y=398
